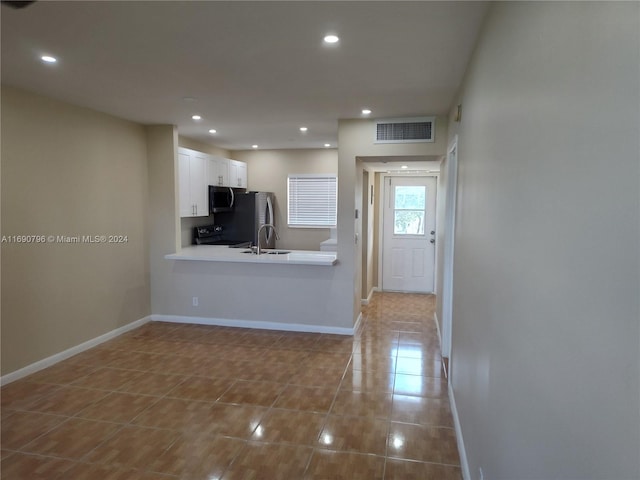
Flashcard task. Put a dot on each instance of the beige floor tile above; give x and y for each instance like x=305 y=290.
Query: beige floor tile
x=368 y=381
x=420 y=386
x=286 y=426
x=264 y=461
x=253 y=393
x=376 y=362
x=152 y=384
x=72 y=439
x=88 y=471
x=422 y=410
x=362 y=404
x=312 y=399
x=198 y=457
x=333 y=360
x=118 y=407
x=133 y=447
x=410 y=470
x=326 y=465
x=21 y=428
x=67 y=400
x=175 y=414
x=423 y=443
x=21 y=394
x=354 y=434
x=108 y=378
x=318 y=377
x=63 y=373
x=233 y=420
x=22 y=466
x=201 y=388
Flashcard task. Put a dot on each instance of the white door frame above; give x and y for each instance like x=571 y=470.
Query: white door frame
x=449 y=243
x=380 y=206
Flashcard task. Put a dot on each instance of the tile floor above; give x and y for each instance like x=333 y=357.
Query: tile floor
x=192 y=402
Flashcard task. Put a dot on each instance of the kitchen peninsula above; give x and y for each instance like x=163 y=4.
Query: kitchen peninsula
x=277 y=290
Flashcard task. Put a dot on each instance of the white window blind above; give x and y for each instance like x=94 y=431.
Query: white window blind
x=312 y=200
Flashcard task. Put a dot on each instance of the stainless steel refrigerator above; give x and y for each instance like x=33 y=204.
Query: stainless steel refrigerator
x=251 y=210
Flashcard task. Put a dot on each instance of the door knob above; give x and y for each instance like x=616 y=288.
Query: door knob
x=433 y=232
x=432 y=240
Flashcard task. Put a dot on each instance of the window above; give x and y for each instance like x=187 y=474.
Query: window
x=409 y=210
x=312 y=201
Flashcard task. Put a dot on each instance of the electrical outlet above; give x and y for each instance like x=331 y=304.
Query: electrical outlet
x=194 y=301
x=480 y=474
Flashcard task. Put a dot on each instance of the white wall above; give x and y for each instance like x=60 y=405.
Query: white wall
x=545 y=354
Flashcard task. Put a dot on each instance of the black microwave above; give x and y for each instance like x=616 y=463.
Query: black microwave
x=220 y=199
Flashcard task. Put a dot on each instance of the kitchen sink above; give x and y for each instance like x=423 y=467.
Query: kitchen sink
x=269 y=252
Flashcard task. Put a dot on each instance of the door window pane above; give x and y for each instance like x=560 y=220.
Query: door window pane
x=410 y=197
x=409 y=210
x=408 y=222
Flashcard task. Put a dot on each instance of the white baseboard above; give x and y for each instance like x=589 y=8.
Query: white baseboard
x=58 y=357
x=464 y=464
x=223 y=322
x=365 y=301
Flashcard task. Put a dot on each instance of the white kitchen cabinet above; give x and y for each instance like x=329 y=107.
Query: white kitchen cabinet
x=218 y=171
x=237 y=174
x=193 y=183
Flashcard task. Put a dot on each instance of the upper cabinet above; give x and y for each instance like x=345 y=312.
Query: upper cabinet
x=218 y=171
x=193 y=183
x=237 y=174
x=196 y=171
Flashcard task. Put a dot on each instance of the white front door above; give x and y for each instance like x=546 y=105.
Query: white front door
x=409 y=220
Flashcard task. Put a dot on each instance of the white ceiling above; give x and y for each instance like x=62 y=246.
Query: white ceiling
x=257 y=70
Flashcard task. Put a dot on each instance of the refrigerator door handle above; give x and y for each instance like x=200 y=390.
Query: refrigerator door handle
x=269 y=218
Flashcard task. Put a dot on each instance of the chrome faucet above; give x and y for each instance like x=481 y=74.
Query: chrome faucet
x=260 y=231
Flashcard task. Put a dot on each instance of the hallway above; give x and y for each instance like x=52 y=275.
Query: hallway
x=197 y=402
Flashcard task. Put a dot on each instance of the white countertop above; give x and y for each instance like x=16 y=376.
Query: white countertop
x=217 y=253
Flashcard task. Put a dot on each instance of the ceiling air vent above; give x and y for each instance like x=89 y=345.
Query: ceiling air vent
x=405 y=130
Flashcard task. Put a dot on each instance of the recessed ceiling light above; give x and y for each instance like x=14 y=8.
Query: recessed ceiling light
x=331 y=38
x=196 y=117
x=327 y=145
x=213 y=131
x=366 y=111
x=404 y=167
x=303 y=129
x=48 y=59
x=254 y=146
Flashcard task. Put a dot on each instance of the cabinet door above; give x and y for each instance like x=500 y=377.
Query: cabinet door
x=238 y=174
x=242 y=174
x=198 y=183
x=218 y=171
x=184 y=186
x=193 y=193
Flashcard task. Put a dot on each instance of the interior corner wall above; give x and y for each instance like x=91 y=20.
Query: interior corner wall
x=69 y=172
x=545 y=364
x=165 y=235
